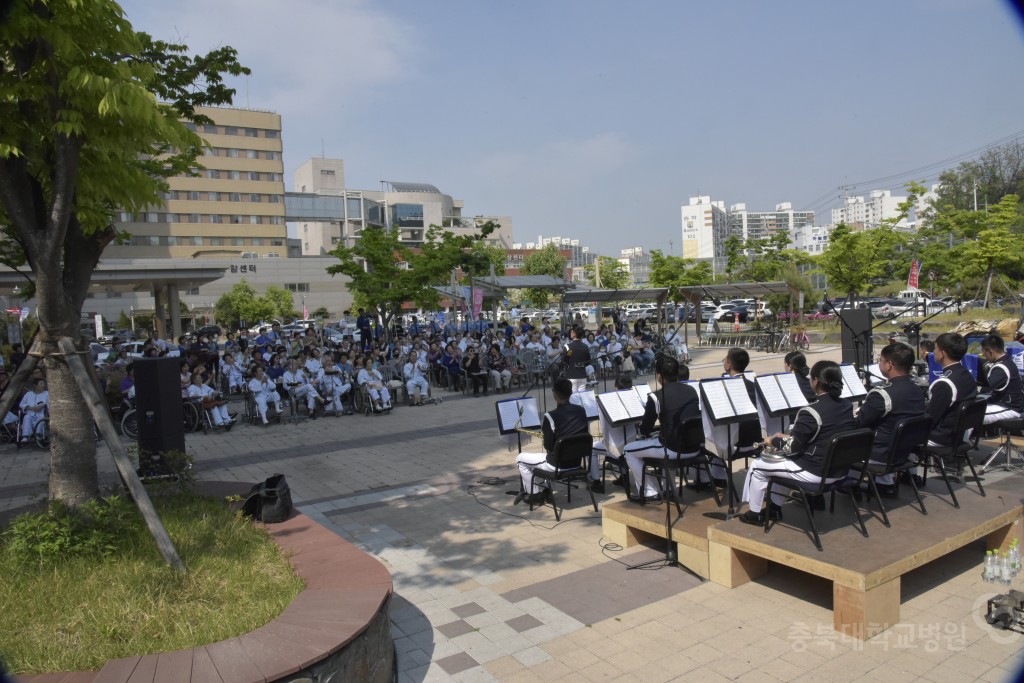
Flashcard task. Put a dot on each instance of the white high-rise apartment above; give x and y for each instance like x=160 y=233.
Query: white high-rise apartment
x=869 y=212
x=705 y=229
x=752 y=225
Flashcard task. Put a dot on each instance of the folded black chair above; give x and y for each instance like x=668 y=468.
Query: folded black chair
x=572 y=456
x=970 y=417
x=847 y=451
x=911 y=435
x=690 y=447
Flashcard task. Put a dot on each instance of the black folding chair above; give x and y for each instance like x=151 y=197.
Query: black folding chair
x=847 y=450
x=690 y=447
x=572 y=457
x=970 y=416
x=911 y=435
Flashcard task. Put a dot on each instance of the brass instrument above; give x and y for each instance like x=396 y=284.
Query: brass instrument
x=531 y=432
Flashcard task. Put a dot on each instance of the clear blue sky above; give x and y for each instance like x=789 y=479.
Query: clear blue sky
x=597 y=119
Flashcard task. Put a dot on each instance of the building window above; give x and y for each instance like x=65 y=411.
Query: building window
x=213 y=173
x=253 y=197
x=252 y=154
x=154 y=241
x=257 y=241
x=172 y=241
x=277 y=243
x=297 y=287
x=277 y=220
x=237 y=241
x=327 y=171
x=254 y=175
x=236 y=220
x=235 y=197
x=232 y=153
x=235 y=175
x=193 y=195
x=230 y=130
x=254 y=220
x=271 y=156
x=250 y=132
x=195 y=218
x=270 y=134
x=125 y=217
x=275 y=199
x=213 y=196
x=216 y=241
x=211 y=128
x=210 y=151
x=276 y=177
x=216 y=218
x=192 y=292
x=197 y=241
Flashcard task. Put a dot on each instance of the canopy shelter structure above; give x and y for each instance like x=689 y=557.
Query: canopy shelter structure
x=657 y=296
x=735 y=290
x=494 y=287
x=164 y=281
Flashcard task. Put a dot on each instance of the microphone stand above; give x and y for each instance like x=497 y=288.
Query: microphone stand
x=543 y=377
x=857 y=341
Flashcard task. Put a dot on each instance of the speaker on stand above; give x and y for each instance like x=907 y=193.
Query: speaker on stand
x=856 y=336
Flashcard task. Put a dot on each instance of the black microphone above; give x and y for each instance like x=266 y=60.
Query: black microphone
x=714 y=299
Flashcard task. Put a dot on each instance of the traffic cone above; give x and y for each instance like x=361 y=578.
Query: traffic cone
x=736 y=322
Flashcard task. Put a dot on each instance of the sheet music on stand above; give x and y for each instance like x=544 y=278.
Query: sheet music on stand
x=853 y=387
x=780 y=394
x=726 y=401
x=588 y=400
x=620 y=407
x=517 y=412
x=642 y=390
x=875 y=375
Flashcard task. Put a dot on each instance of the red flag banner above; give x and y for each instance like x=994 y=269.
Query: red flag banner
x=915 y=269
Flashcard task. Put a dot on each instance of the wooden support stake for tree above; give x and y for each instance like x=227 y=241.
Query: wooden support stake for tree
x=96 y=405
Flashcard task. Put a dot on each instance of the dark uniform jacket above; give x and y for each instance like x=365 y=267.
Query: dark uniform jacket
x=576 y=357
x=565 y=420
x=1004 y=380
x=884 y=407
x=813 y=429
x=945 y=395
x=672 y=404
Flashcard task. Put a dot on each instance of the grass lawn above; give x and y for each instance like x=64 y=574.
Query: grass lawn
x=111 y=595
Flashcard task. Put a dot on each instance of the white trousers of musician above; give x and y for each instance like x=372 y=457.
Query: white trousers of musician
x=417 y=386
x=219 y=415
x=617 y=437
x=995 y=412
x=527 y=461
x=501 y=379
x=335 y=391
x=647 y=448
x=757 y=480
x=720 y=436
x=309 y=392
x=262 y=399
x=381 y=394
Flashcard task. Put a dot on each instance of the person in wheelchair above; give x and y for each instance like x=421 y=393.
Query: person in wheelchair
x=211 y=401
x=234 y=373
x=299 y=386
x=371 y=379
x=415 y=372
x=33 y=407
x=334 y=384
x=264 y=391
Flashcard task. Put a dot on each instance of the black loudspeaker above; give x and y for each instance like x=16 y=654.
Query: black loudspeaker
x=158 y=402
x=856 y=331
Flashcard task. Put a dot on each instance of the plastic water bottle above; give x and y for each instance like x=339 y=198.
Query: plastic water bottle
x=1004 y=569
x=989 y=573
x=1014 y=558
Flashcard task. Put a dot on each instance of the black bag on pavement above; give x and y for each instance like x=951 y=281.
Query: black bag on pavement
x=269 y=502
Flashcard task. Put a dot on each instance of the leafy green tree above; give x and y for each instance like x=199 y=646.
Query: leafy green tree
x=676 y=272
x=613 y=274
x=733 y=256
x=546 y=261
x=995 y=174
x=90 y=121
x=854 y=261
x=281 y=302
x=322 y=312
x=123 y=321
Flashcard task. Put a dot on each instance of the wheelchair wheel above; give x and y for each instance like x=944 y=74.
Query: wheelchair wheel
x=190 y=413
x=358 y=400
x=8 y=433
x=130 y=424
x=42 y=433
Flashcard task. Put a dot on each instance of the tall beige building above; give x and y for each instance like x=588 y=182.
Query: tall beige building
x=233 y=209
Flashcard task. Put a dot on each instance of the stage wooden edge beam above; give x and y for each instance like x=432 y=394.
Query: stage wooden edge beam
x=864 y=605
x=629 y=524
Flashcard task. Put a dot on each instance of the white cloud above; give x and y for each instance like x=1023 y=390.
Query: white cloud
x=305 y=54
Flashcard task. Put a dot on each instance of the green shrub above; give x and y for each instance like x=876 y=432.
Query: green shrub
x=94 y=529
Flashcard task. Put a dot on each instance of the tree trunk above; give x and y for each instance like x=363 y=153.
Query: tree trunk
x=73 y=476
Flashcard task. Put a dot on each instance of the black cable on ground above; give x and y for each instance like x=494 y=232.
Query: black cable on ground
x=498 y=481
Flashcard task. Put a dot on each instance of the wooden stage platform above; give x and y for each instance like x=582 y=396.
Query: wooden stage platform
x=865 y=572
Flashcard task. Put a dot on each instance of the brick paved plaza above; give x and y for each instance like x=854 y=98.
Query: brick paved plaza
x=489 y=591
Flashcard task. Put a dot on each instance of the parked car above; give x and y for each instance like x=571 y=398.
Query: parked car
x=730 y=314
x=880 y=309
x=707 y=312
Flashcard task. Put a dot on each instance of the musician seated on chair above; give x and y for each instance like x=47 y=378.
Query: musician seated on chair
x=567 y=419
x=671 y=405
x=746 y=436
x=807 y=443
x=887 y=404
x=955 y=386
x=612 y=442
x=1007 y=399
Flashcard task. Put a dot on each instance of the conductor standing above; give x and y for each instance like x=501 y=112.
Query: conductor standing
x=575 y=359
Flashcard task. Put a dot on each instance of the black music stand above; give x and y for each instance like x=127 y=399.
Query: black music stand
x=727 y=404
x=621 y=411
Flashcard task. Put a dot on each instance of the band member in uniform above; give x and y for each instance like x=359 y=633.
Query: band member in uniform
x=567 y=419
x=807 y=443
x=746 y=435
x=264 y=391
x=888 y=403
x=796 y=363
x=670 y=406
x=612 y=442
x=575 y=359
x=1007 y=399
x=955 y=386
